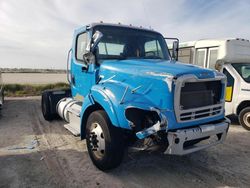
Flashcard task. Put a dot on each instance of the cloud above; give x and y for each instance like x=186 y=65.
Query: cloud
x=37 y=34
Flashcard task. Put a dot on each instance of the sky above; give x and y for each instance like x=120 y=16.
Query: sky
x=38 y=33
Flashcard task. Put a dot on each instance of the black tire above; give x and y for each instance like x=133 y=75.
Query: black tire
x=244 y=118
x=46 y=110
x=113 y=152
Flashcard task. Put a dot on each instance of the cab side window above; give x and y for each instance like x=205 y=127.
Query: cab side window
x=81 y=44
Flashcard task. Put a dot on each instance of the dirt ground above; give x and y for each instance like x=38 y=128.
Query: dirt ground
x=36 y=153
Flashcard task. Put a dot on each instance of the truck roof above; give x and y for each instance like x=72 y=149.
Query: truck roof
x=234 y=50
x=210 y=42
x=118 y=25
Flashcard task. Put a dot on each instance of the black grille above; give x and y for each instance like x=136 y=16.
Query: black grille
x=196 y=114
x=200 y=94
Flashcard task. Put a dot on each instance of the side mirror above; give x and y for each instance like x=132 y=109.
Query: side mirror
x=94 y=41
x=175 y=50
x=89 y=57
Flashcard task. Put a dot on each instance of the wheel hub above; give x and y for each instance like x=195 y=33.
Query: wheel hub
x=246 y=119
x=97 y=141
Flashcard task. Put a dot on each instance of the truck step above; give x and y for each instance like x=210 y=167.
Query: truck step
x=72 y=129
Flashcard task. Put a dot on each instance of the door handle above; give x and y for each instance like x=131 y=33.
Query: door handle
x=84 y=69
x=73 y=79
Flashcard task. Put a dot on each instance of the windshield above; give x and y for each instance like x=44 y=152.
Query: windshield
x=244 y=70
x=129 y=43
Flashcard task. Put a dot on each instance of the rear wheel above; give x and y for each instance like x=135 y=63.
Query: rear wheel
x=244 y=118
x=45 y=103
x=105 y=142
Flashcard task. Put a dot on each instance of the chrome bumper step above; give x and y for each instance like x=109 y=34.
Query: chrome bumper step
x=178 y=138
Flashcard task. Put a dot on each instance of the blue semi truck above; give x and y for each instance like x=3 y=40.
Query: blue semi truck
x=126 y=88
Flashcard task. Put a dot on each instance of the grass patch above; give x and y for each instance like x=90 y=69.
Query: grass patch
x=23 y=90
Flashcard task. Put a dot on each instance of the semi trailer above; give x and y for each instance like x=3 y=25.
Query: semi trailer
x=230 y=56
x=127 y=91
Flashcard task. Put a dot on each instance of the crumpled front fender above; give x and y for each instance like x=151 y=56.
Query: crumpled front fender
x=116 y=98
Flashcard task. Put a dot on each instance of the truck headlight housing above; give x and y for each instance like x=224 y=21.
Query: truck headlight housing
x=141 y=119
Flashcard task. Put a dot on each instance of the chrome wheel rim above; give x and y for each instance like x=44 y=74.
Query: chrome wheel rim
x=96 y=140
x=246 y=119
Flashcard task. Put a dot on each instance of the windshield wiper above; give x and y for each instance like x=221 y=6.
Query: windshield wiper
x=114 y=58
x=152 y=57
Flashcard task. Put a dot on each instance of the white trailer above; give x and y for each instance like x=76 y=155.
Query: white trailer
x=1 y=91
x=232 y=57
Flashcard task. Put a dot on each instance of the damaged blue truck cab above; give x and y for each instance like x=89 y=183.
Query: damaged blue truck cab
x=125 y=86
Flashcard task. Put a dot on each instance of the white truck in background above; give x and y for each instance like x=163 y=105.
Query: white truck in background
x=232 y=57
x=1 y=91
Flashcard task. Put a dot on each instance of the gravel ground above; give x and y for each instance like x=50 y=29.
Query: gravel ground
x=36 y=153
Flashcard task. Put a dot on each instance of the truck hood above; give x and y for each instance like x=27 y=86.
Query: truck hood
x=154 y=68
x=146 y=84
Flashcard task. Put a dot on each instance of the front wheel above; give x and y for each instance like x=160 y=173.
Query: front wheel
x=105 y=142
x=244 y=118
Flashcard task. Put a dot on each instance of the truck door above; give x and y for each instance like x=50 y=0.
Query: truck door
x=81 y=77
x=229 y=92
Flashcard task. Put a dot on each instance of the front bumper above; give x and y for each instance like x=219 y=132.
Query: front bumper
x=178 y=139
